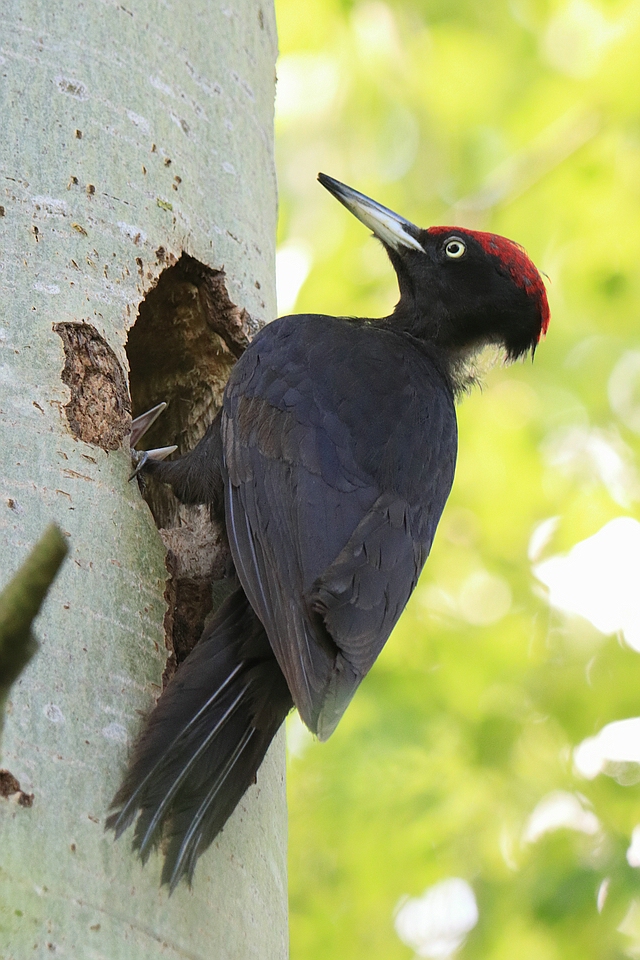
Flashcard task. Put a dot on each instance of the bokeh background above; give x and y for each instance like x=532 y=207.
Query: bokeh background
x=492 y=756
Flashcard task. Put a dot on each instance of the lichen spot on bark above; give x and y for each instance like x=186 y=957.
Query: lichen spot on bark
x=99 y=411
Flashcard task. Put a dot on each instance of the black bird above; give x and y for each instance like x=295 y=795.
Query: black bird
x=329 y=464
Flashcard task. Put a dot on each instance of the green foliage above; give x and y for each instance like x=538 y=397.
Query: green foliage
x=522 y=118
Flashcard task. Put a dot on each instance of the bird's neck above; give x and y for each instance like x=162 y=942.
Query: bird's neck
x=431 y=330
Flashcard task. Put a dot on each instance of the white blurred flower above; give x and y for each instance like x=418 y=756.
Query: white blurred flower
x=617 y=743
x=557 y=810
x=633 y=853
x=436 y=924
x=598 y=579
x=603 y=893
x=542 y=534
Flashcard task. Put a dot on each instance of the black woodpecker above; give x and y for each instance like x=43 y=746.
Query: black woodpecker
x=329 y=464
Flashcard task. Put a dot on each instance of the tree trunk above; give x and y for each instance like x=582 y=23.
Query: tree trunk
x=137 y=187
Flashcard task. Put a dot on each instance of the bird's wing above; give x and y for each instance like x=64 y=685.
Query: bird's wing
x=339 y=459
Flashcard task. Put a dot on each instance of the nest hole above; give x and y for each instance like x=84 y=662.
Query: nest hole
x=181 y=349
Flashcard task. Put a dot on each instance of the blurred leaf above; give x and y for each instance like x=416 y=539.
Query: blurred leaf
x=20 y=602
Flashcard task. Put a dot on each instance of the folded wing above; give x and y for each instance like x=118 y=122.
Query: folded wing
x=338 y=468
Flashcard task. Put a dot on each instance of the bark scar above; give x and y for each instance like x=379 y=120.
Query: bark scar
x=99 y=411
x=10 y=790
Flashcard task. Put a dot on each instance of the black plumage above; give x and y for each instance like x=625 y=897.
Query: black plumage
x=330 y=464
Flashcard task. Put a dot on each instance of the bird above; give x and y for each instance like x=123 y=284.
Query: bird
x=329 y=465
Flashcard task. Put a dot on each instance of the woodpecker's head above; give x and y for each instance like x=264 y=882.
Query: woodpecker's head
x=460 y=288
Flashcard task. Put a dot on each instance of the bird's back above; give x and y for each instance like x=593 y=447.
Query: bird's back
x=339 y=441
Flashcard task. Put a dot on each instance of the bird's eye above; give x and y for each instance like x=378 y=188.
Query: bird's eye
x=455 y=248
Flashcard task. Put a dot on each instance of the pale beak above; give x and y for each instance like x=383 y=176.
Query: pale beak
x=388 y=226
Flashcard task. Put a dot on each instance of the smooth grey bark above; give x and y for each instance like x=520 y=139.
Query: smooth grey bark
x=131 y=132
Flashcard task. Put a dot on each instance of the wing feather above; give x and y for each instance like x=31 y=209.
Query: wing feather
x=338 y=472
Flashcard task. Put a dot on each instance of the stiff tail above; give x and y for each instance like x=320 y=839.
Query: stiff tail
x=204 y=741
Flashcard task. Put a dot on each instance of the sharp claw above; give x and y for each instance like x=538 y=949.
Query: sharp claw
x=141 y=424
x=161 y=453
x=140 y=458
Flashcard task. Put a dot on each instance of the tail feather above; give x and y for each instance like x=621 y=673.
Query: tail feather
x=187 y=845
x=129 y=811
x=145 y=831
x=204 y=741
